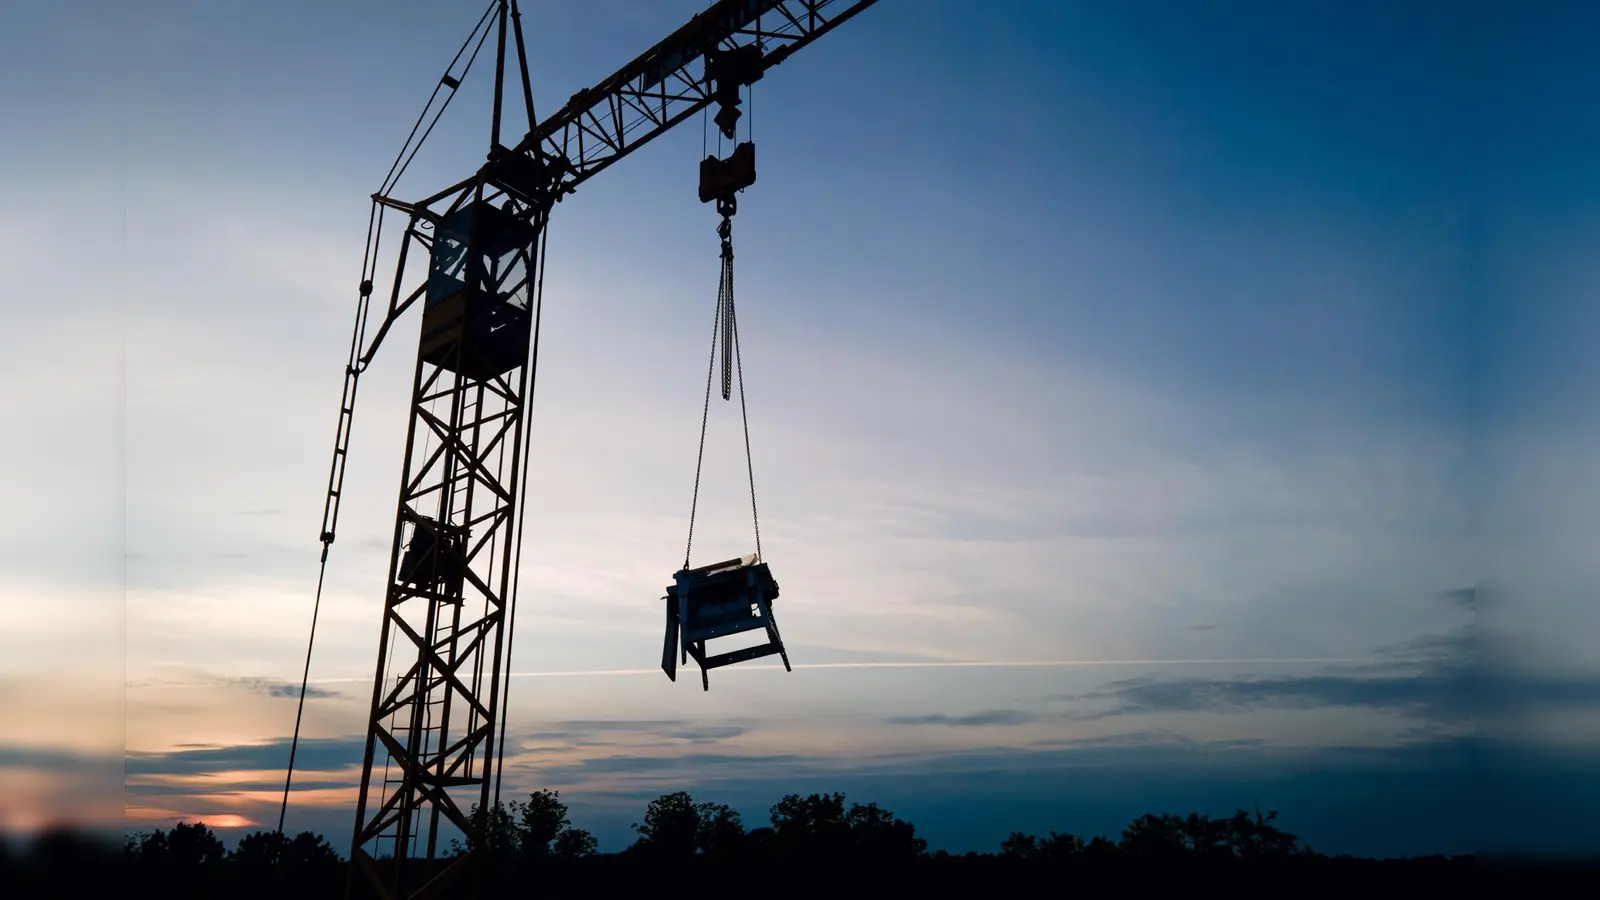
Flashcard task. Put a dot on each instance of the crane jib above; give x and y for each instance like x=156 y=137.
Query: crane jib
x=703 y=31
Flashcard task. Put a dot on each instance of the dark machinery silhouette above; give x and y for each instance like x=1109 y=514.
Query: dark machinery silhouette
x=720 y=600
x=439 y=688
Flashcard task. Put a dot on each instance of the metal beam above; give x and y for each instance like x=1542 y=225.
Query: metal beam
x=645 y=98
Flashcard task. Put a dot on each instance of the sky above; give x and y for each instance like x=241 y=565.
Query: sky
x=1153 y=407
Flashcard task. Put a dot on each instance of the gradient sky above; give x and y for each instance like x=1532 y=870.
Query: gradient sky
x=1221 y=370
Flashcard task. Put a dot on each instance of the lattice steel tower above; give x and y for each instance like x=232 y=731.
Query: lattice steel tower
x=430 y=750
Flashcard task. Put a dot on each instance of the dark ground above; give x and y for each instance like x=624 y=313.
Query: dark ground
x=65 y=869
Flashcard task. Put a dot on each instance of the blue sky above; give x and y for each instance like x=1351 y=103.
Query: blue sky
x=1192 y=356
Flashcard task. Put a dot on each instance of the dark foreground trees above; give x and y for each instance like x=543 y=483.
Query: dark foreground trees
x=1157 y=838
x=530 y=831
x=677 y=829
x=805 y=845
x=189 y=860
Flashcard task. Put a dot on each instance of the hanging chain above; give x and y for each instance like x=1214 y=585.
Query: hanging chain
x=725 y=305
x=749 y=464
x=724 y=325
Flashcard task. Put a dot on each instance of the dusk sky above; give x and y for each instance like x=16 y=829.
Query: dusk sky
x=1153 y=406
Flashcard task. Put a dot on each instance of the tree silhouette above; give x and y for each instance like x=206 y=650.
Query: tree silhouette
x=259 y=850
x=269 y=855
x=1019 y=846
x=187 y=845
x=676 y=827
x=720 y=834
x=1199 y=837
x=534 y=830
x=309 y=850
x=1060 y=847
x=1053 y=846
x=574 y=843
x=1206 y=838
x=1100 y=849
x=1253 y=838
x=546 y=832
x=818 y=826
x=876 y=834
x=671 y=827
x=809 y=826
x=542 y=818
x=494 y=835
x=1153 y=837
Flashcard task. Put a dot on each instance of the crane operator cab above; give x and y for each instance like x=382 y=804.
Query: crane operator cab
x=435 y=559
x=717 y=601
x=475 y=320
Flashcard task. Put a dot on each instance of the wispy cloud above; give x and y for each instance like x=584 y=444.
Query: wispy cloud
x=985 y=719
x=313 y=754
x=661 y=730
x=281 y=690
x=1465 y=598
x=1440 y=678
x=1430 y=697
x=233 y=786
x=54 y=759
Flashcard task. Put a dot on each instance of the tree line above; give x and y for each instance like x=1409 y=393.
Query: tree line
x=677 y=828
x=810 y=836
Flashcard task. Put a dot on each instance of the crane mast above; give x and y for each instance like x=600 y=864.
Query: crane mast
x=439 y=687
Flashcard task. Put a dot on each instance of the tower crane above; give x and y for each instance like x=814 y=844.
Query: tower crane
x=436 y=728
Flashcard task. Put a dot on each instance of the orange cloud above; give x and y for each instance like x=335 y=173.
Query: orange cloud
x=226 y=820
x=154 y=815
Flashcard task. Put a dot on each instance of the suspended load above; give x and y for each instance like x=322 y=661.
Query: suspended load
x=717 y=601
x=732 y=597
